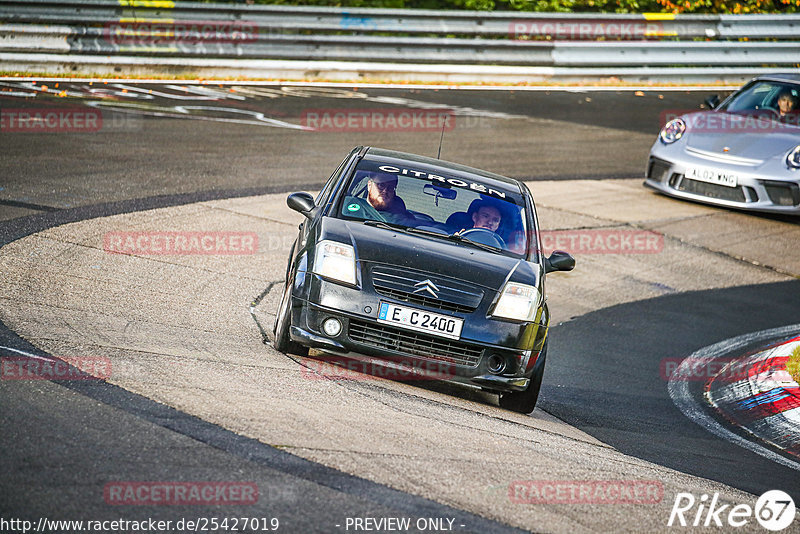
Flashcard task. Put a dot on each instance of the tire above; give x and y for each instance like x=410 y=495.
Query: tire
x=283 y=323
x=525 y=401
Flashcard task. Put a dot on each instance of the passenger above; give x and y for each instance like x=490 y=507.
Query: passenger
x=381 y=195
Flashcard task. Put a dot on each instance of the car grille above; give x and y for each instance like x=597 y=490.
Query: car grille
x=408 y=342
x=401 y=285
x=423 y=301
x=657 y=169
x=712 y=190
x=782 y=193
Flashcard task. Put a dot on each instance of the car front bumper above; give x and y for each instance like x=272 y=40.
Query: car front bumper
x=756 y=190
x=464 y=361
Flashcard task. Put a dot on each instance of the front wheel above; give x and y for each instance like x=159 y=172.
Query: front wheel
x=283 y=322
x=525 y=401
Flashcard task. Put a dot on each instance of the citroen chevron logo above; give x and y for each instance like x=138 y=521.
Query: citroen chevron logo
x=427 y=285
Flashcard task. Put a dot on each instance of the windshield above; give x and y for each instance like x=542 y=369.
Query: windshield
x=776 y=100
x=411 y=197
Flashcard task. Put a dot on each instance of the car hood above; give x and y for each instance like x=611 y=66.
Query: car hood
x=429 y=254
x=744 y=137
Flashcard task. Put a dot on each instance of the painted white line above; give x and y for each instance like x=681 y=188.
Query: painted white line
x=28 y=354
x=686 y=403
x=359 y=85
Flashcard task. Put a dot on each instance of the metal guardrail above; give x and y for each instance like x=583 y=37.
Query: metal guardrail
x=64 y=39
x=148 y=28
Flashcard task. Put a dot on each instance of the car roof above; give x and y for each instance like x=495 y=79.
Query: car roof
x=456 y=169
x=781 y=77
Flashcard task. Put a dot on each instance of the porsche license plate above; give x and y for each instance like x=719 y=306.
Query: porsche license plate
x=420 y=320
x=711 y=176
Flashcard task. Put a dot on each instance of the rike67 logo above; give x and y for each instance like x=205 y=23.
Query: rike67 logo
x=774 y=510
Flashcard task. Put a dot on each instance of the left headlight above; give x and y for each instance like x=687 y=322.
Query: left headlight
x=793 y=158
x=518 y=301
x=336 y=261
x=672 y=131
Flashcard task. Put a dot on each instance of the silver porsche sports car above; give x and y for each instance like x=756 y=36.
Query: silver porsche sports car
x=742 y=153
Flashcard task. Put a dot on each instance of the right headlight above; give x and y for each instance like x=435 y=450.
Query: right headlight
x=336 y=261
x=672 y=131
x=793 y=158
x=518 y=301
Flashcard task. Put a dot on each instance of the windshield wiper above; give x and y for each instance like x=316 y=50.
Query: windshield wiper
x=456 y=236
x=452 y=237
x=403 y=228
x=388 y=226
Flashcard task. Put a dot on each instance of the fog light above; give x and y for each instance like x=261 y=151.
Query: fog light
x=496 y=364
x=332 y=327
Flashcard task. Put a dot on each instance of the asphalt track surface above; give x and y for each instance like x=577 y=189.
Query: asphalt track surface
x=58 y=439
x=142 y=150
x=609 y=383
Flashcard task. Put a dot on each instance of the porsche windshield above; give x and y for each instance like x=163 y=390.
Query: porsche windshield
x=459 y=207
x=770 y=99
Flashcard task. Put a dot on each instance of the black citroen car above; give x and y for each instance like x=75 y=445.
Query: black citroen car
x=417 y=261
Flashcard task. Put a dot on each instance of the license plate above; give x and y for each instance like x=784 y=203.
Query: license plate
x=420 y=320
x=712 y=176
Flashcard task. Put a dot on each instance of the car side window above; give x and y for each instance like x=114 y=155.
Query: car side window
x=324 y=195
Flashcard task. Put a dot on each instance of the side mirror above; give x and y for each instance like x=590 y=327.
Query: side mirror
x=712 y=101
x=559 y=261
x=301 y=202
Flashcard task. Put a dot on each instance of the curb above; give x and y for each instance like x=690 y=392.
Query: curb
x=756 y=393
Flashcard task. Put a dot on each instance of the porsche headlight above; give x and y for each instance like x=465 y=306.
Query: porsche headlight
x=672 y=131
x=793 y=158
x=518 y=301
x=336 y=261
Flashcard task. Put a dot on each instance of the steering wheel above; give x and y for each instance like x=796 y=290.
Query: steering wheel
x=771 y=109
x=484 y=236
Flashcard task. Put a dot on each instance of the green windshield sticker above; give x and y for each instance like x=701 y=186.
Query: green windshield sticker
x=353 y=207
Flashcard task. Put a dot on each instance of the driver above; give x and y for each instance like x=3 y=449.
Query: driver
x=786 y=103
x=381 y=195
x=487 y=216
